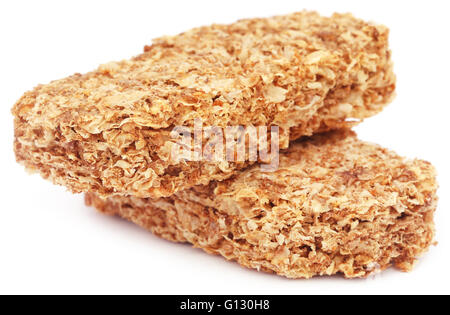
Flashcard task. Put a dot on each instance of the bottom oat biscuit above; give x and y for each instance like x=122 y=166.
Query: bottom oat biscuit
x=335 y=205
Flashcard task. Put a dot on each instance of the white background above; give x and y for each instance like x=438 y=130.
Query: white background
x=50 y=242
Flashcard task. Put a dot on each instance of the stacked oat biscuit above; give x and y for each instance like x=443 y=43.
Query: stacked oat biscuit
x=335 y=204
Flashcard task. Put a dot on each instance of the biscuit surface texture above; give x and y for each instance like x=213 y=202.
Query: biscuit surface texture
x=108 y=131
x=335 y=205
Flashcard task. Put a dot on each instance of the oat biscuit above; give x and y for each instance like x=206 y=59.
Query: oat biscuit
x=108 y=131
x=336 y=205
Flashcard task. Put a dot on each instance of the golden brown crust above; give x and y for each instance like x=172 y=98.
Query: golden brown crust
x=107 y=131
x=336 y=205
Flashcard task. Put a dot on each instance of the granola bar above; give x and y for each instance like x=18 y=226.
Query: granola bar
x=108 y=131
x=336 y=205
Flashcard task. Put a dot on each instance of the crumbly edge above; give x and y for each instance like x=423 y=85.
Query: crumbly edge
x=337 y=206
x=107 y=131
